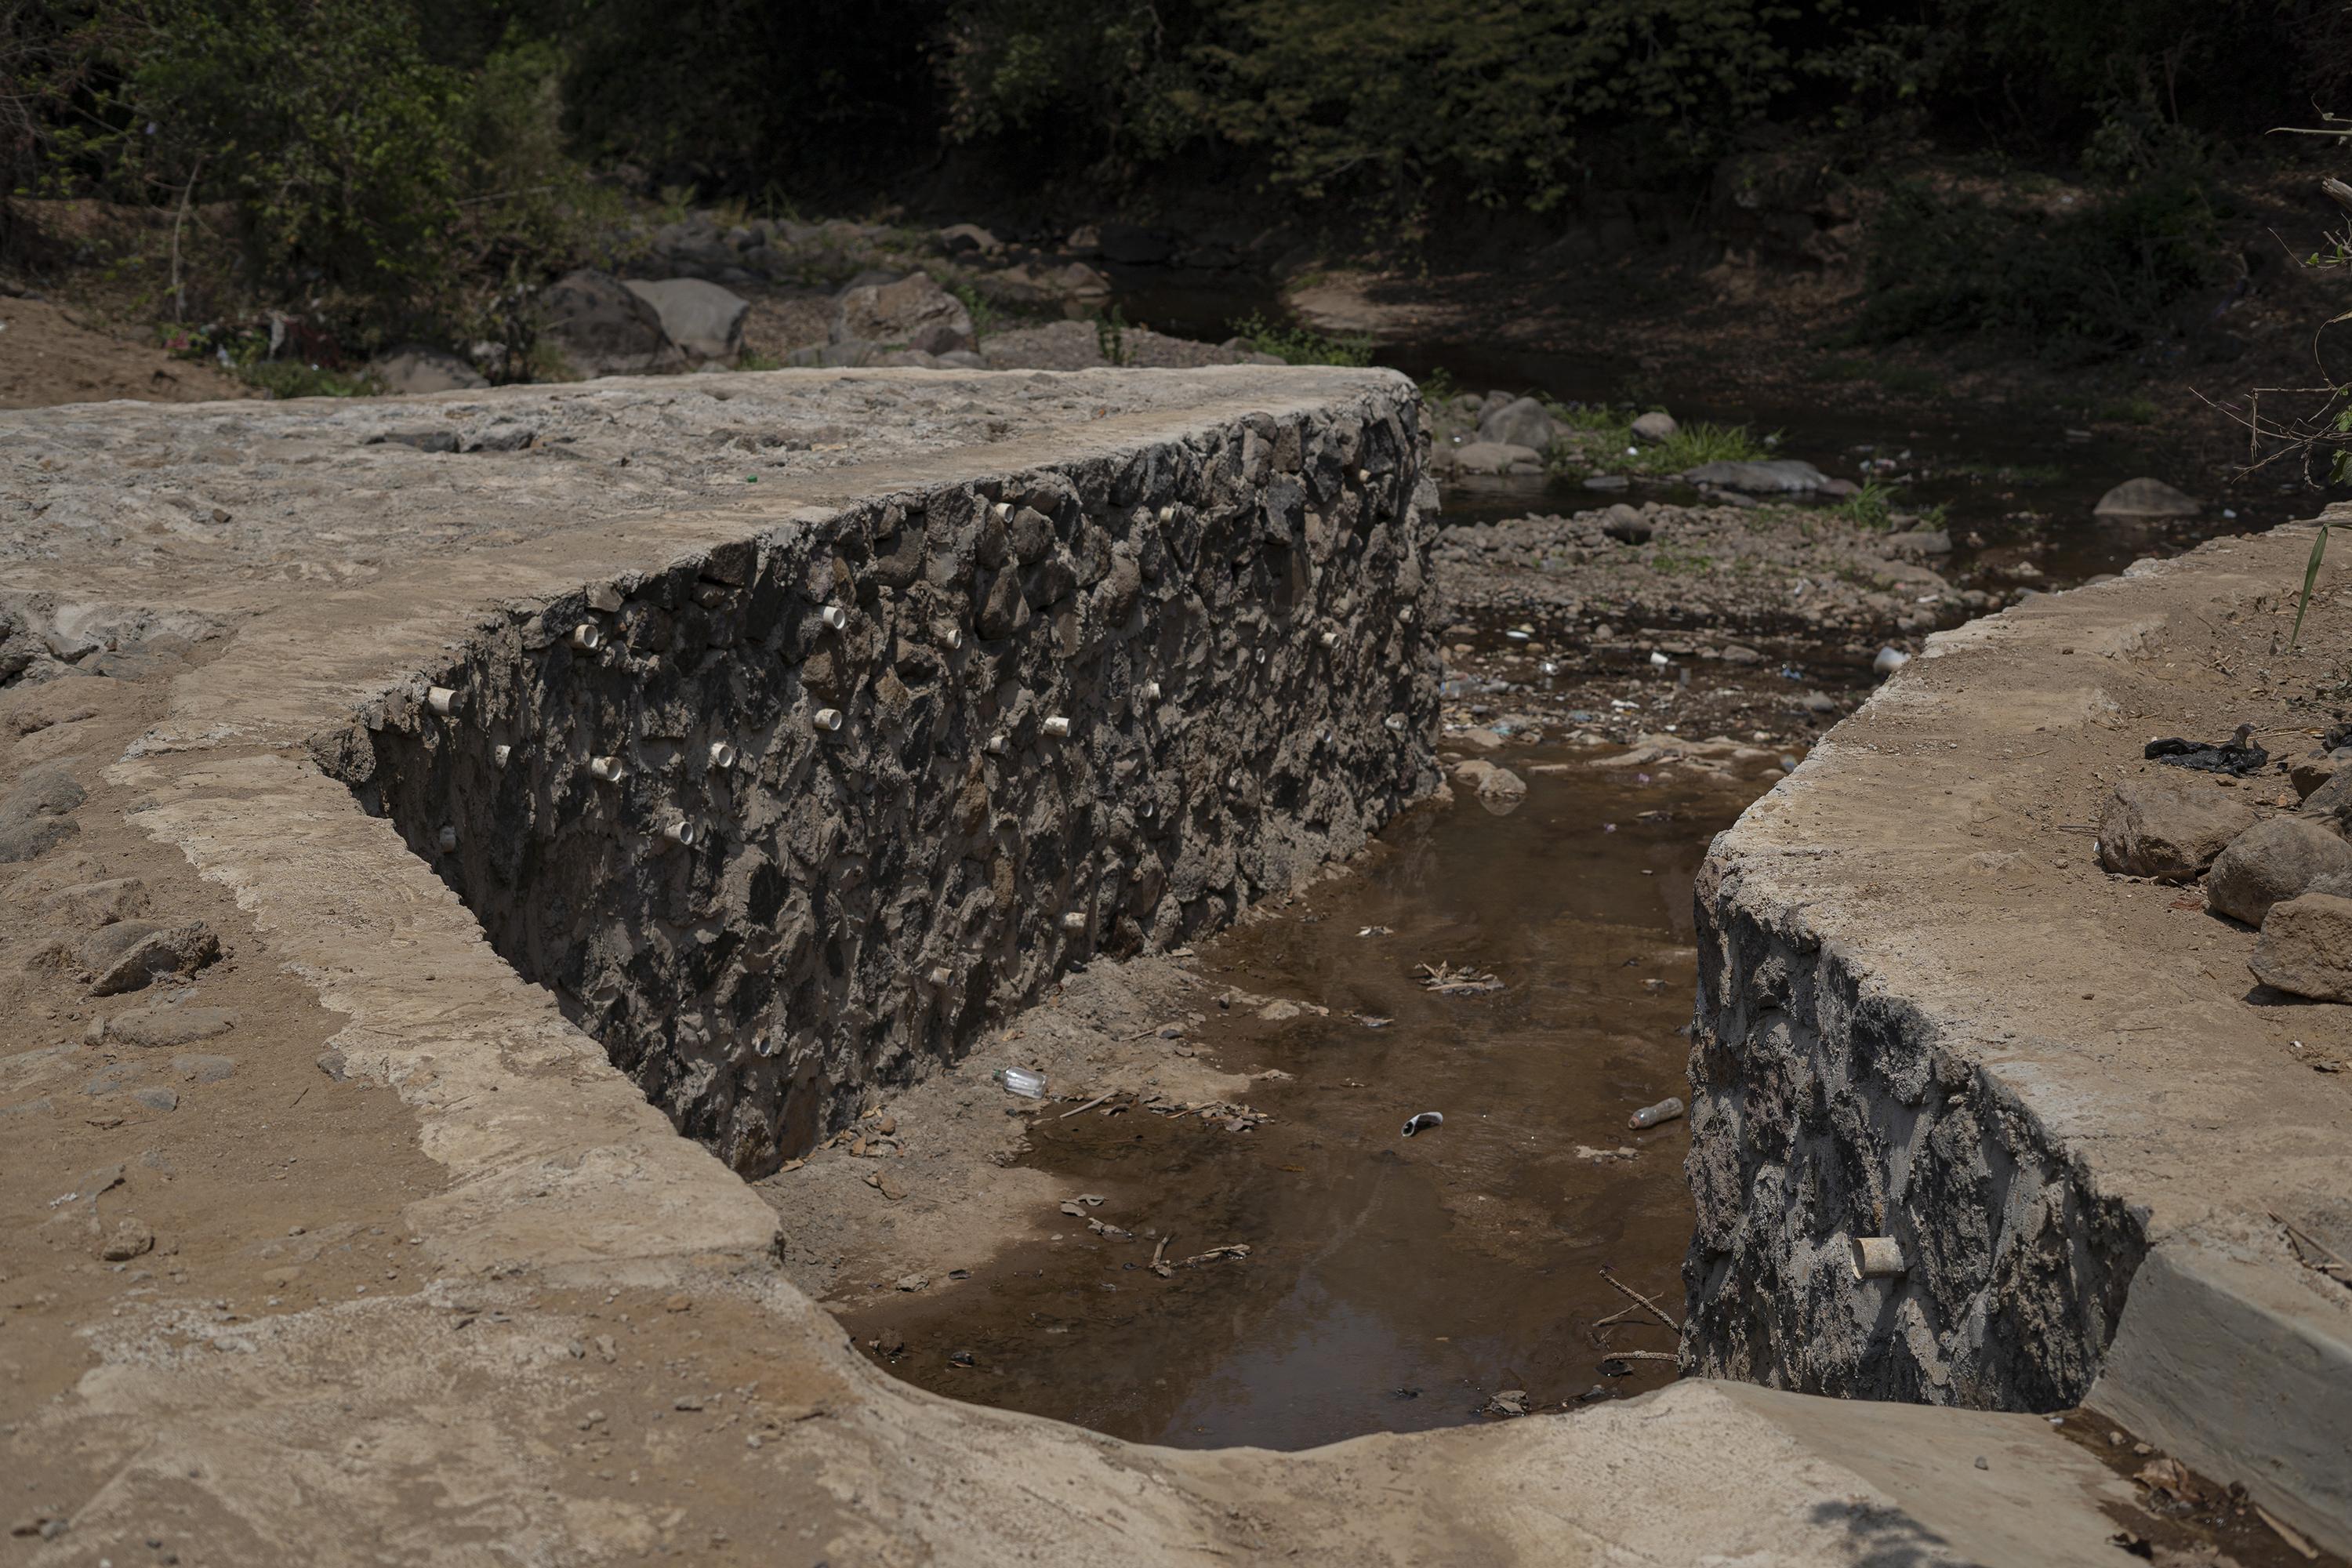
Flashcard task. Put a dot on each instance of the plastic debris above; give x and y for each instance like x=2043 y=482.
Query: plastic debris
x=1448 y=981
x=1666 y=1110
x=1877 y=1257
x=2237 y=755
x=1021 y=1081
x=1889 y=660
x=1423 y=1122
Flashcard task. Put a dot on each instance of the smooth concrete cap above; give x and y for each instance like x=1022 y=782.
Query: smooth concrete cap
x=1921 y=840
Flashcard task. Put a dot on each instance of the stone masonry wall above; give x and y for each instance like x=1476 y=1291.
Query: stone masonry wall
x=1821 y=1109
x=1089 y=709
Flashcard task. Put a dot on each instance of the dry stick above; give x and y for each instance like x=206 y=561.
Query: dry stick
x=1089 y=1105
x=1623 y=1289
x=1641 y=1356
x=179 y=295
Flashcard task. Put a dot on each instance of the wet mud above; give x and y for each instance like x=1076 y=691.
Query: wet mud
x=1390 y=1284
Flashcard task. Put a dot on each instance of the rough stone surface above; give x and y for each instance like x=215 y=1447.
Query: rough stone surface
x=2045 y=1083
x=703 y=319
x=182 y=950
x=1778 y=475
x=912 y=313
x=1494 y=458
x=2146 y=498
x=2329 y=802
x=1522 y=422
x=1000 y=766
x=2156 y=827
x=97 y=903
x=2277 y=859
x=2306 y=947
x=1655 y=427
x=167 y=1024
x=602 y=329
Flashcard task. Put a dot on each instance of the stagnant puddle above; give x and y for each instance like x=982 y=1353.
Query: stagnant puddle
x=1390 y=1284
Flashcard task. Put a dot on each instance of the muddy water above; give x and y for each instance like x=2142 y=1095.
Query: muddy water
x=1391 y=1284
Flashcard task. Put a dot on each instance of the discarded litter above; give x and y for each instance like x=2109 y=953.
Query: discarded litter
x=1448 y=981
x=1423 y=1122
x=1660 y=660
x=2235 y=755
x=1877 y=1257
x=1021 y=1081
x=1666 y=1110
x=1889 y=660
x=1375 y=930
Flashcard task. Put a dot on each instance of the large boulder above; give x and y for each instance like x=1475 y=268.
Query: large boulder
x=413 y=369
x=1496 y=457
x=2329 y=804
x=703 y=319
x=1522 y=422
x=602 y=329
x=2172 y=828
x=1776 y=476
x=2273 y=861
x=912 y=313
x=2144 y=498
x=1656 y=426
x=2306 y=947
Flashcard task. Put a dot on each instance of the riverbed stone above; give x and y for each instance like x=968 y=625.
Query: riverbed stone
x=600 y=328
x=414 y=368
x=95 y=903
x=705 y=320
x=182 y=950
x=2306 y=947
x=1496 y=457
x=2275 y=860
x=914 y=312
x=2329 y=803
x=2146 y=498
x=1522 y=422
x=2155 y=827
x=161 y=1025
x=1776 y=476
x=1655 y=427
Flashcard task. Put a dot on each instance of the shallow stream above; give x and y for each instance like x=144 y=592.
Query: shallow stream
x=1393 y=1284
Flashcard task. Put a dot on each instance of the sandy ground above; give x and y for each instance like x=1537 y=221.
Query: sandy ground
x=48 y=355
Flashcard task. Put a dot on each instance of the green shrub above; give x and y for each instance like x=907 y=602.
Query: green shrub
x=1301 y=345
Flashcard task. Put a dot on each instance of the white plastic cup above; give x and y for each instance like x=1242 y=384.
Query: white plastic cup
x=827 y=719
x=1002 y=509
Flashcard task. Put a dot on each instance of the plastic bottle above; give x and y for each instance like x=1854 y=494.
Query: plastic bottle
x=1651 y=1115
x=1021 y=1081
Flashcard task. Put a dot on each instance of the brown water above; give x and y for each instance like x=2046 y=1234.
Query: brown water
x=1393 y=1284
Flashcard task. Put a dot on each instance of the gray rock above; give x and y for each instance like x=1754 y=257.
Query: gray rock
x=912 y=313
x=2308 y=774
x=2144 y=498
x=1522 y=422
x=97 y=952
x=414 y=369
x=332 y=1063
x=703 y=319
x=1918 y=542
x=48 y=790
x=1626 y=525
x=157 y=1098
x=2275 y=860
x=183 y=949
x=1496 y=457
x=2306 y=947
x=1655 y=427
x=31 y=840
x=2173 y=829
x=970 y=239
x=164 y=1024
x=602 y=329
x=2329 y=803
x=422 y=440
x=1778 y=475
x=506 y=435
x=198 y=1068
x=130 y=1239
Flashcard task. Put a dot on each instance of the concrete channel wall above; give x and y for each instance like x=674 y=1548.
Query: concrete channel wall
x=1925 y=1017
x=1095 y=707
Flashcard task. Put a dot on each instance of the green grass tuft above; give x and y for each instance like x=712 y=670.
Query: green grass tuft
x=1301 y=345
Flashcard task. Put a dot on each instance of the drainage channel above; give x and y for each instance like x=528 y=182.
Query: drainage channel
x=1390 y=1284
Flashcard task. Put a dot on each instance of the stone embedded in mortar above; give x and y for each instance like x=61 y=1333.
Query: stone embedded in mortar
x=2157 y=827
x=2306 y=947
x=2274 y=860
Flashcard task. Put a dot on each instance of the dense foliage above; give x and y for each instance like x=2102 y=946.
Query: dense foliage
x=422 y=158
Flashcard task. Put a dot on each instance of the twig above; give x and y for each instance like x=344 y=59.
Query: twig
x=1089 y=1105
x=297 y=1099
x=179 y=295
x=1623 y=1288
x=1640 y=1356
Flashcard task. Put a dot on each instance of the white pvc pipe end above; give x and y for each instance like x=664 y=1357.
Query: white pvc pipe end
x=827 y=719
x=586 y=636
x=722 y=754
x=954 y=639
x=1002 y=509
x=1877 y=1257
x=612 y=770
x=1331 y=639
x=441 y=700
x=680 y=832
x=995 y=745
x=836 y=616
x=1057 y=726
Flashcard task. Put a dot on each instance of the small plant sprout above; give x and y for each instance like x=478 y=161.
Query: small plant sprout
x=441 y=700
x=612 y=770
